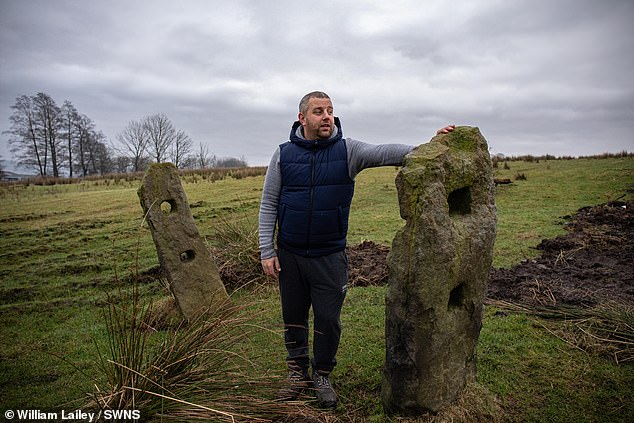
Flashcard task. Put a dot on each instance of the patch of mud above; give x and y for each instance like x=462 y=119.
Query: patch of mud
x=593 y=263
x=367 y=264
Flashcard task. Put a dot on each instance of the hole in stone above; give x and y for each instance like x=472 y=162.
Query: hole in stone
x=168 y=206
x=456 y=296
x=460 y=201
x=187 y=256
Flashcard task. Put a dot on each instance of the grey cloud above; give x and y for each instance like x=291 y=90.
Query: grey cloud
x=538 y=76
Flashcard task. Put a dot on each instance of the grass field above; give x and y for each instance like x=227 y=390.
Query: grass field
x=62 y=247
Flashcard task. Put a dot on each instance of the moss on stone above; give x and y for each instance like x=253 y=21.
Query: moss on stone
x=437 y=271
x=155 y=177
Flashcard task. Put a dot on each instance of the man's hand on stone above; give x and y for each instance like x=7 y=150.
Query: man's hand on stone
x=446 y=129
x=271 y=266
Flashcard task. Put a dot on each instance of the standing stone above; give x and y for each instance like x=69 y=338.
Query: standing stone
x=193 y=276
x=438 y=269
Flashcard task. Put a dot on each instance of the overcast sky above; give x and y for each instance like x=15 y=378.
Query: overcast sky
x=536 y=76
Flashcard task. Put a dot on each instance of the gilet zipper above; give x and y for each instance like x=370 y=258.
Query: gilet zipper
x=310 y=203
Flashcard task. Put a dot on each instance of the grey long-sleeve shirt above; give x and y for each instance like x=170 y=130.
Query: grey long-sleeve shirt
x=360 y=156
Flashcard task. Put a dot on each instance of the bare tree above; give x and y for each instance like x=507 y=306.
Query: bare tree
x=84 y=149
x=93 y=155
x=49 y=138
x=100 y=157
x=26 y=145
x=203 y=158
x=134 y=142
x=70 y=131
x=189 y=162
x=161 y=135
x=49 y=116
x=122 y=164
x=181 y=147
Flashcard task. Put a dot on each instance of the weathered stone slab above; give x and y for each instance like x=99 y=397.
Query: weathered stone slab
x=193 y=276
x=438 y=269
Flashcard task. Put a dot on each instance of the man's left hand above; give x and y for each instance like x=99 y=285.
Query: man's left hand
x=446 y=129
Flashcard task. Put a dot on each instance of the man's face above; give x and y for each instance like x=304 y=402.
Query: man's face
x=318 y=121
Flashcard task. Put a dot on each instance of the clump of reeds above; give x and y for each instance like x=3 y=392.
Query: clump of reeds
x=238 y=252
x=605 y=329
x=191 y=372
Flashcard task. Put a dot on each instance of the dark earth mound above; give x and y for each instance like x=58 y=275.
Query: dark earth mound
x=367 y=264
x=593 y=263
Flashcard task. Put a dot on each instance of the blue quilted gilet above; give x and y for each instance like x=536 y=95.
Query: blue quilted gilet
x=316 y=194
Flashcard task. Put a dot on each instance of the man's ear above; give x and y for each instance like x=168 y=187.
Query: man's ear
x=301 y=119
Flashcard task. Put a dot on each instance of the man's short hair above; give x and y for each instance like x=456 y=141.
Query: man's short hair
x=303 y=104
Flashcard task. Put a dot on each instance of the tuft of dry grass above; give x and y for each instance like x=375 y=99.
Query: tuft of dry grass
x=238 y=253
x=476 y=404
x=606 y=329
x=193 y=371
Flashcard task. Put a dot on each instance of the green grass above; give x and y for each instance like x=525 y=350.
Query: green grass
x=531 y=210
x=547 y=380
x=63 y=246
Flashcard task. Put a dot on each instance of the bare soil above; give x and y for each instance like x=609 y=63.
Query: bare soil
x=367 y=264
x=593 y=263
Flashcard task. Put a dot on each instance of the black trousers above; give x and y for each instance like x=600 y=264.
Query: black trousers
x=321 y=282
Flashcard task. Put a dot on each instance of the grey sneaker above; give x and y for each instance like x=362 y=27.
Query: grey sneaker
x=326 y=396
x=298 y=380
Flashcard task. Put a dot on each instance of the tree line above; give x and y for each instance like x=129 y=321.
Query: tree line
x=59 y=140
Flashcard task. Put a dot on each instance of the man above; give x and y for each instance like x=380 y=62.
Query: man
x=307 y=191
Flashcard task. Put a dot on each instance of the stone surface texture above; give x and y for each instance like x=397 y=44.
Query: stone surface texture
x=437 y=272
x=192 y=274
